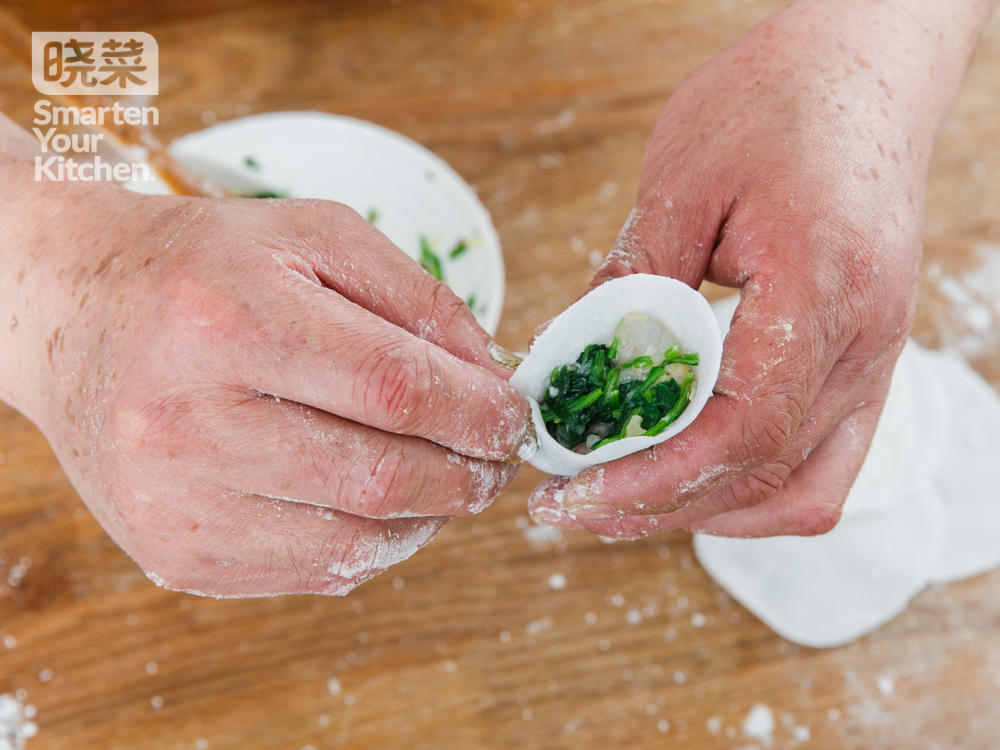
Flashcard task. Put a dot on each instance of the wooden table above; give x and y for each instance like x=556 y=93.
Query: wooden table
x=472 y=643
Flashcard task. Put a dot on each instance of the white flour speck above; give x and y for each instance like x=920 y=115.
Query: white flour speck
x=16 y=727
x=759 y=724
x=538 y=626
x=886 y=685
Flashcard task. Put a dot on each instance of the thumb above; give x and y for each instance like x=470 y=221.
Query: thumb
x=670 y=232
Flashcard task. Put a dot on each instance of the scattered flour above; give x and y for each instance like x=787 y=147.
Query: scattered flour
x=557 y=124
x=759 y=724
x=886 y=685
x=971 y=325
x=542 y=537
x=538 y=626
x=16 y=727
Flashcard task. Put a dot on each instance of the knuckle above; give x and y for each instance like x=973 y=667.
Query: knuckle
x=768 y=429
x=341 y=212
x=755 y=486
x=351 y=559
x=390 y=477
x=399 y=387
x=139 y=422
x=199 y=313
x=445 y=306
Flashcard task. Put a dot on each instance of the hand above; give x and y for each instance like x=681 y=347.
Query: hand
x=255 y=397
x=792 y=166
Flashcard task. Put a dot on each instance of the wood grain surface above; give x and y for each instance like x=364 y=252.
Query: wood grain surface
x=546 y=108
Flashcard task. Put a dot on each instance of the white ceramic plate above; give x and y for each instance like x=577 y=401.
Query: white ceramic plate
x=412 y=191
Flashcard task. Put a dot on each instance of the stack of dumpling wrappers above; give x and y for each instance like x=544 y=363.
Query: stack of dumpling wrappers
x=925 y=509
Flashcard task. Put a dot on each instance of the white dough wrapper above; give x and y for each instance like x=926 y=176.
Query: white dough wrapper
x=968 y=480
x=828 y=590
x=592 y=320
x=911 y=438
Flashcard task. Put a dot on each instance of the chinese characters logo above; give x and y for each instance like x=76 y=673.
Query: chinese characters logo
x=81 y=62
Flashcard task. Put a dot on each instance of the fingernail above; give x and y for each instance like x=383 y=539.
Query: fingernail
x=554 y=517
x=593 y=511
x=579 y=501
x=527 y=446
x=503 y=356
x=577 y=496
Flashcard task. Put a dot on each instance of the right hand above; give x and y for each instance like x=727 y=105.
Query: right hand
x=254 y=397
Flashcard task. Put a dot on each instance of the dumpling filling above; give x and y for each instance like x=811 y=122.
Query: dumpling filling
x=636 y=385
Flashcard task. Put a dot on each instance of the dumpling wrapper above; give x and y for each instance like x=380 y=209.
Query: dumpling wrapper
x=924 y=508
x=968 y=477
x=829 y=590
x=592 y=320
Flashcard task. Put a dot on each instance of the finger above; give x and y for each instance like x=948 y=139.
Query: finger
x=236 y=545
x=812 y=498
x=286 y=450
x=670 y=232
x=366 y=267
x=771 y=372
x=852 y=385
x=317 y=348
x=545 y=505
x=761 y=486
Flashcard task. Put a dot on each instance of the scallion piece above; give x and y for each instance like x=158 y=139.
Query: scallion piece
x=430 y=260
x=638 y=363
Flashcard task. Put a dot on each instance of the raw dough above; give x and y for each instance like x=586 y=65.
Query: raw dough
x=925 y=507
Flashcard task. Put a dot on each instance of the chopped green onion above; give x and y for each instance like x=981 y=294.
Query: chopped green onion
x=459 y=249
x=430 y=260
x=372 y=215
x=638 y=363
x=266 y=194
x=681 y=359
x=654 y=374
x=605 y=441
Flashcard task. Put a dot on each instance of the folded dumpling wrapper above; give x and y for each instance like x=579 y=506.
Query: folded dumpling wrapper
x=592 y=320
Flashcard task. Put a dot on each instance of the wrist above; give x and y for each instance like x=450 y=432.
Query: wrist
x=39 y=245
x=874 y=78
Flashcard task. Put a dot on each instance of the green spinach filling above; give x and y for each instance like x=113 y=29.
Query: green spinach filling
x=595 y=400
